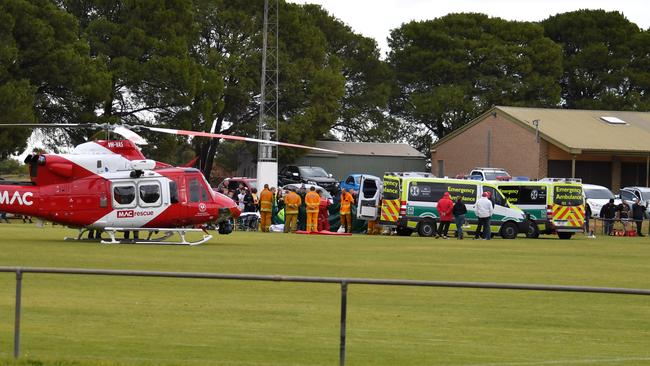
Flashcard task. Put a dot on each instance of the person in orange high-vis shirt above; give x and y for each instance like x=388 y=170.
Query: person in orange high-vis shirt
x=266 y=208
x=346 y=215
x=312 y=200
x=292 y=204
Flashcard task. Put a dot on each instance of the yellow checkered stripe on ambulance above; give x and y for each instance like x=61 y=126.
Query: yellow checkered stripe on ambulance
x=389 y=210
x=573 y=215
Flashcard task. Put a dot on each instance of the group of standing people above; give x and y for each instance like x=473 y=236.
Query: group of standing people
x=610 y=213
x=316 y=207
x=449 y=210
x=305 y=209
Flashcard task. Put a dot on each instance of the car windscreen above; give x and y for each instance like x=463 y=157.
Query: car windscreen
x=494 y=175
x=312 y=171
x=598 y=193
x=567 y=195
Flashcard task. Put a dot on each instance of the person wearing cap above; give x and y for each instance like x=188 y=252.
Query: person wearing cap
x=484 y=210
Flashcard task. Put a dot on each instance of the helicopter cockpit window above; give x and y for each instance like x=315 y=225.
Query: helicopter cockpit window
x=173 y=192
x=149 y=194
x=124 y=195
x=195 y=190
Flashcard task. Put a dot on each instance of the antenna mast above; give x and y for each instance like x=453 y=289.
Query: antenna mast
x=267 y=155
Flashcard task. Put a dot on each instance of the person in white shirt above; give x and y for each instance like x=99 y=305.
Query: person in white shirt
x=484 y=210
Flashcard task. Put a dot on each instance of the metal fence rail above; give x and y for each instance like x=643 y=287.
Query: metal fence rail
x=344 y=282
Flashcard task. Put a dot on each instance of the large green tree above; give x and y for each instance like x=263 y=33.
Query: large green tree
x=46 y=73
x=639 y=72
x=599 y=57
x=154 y=79
x=364 y=115
x=450 y=69
x=322 y=72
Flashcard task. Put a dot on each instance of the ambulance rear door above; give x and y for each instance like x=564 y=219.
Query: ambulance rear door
x=370 y=189
x=390 y=200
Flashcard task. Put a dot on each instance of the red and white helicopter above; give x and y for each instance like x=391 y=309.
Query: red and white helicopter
x=110 y=186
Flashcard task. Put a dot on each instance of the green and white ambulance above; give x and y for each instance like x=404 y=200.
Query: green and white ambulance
x=554 y=205
x=409 y=201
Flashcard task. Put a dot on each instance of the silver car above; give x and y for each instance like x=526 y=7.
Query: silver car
x=629 y=194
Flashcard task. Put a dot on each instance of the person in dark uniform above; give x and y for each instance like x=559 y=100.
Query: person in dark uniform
x=608 y=213
x=302 y=210
x=638 y=214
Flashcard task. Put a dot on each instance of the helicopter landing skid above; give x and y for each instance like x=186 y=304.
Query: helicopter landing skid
x=80 y=237
x=166 y=233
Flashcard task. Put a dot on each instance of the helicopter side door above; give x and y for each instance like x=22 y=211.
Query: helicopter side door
x=137 y=202
x=199 y=198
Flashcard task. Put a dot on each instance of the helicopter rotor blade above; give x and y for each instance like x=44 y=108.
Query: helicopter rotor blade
x=233 y=137
x=129 y=135
x=44 y=125
x=118 y=129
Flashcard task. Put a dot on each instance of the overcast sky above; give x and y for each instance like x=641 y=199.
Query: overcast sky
x=375 y=18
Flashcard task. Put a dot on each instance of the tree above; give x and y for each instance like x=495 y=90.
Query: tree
x=597 y=47
x=46 y=73
x=311 y=81
x=449 y=69
x=153 y=78
x=364 y=113
x=639 y=72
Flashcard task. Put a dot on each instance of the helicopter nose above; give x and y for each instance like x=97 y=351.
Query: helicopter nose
x=234 y=211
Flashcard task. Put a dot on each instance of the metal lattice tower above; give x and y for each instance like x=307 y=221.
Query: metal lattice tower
x=268 y=122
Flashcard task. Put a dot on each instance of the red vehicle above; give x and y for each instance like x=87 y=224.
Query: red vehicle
x=111 y=186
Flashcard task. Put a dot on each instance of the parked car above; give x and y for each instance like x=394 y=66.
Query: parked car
x=233 y=183
x=628 y=194
x=597 y=196
x=308 y=175
x=489 y=174
x=296 y=186
x=353 y=181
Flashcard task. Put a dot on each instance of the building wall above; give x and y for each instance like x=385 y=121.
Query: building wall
x=510 y=146
x=342 y=165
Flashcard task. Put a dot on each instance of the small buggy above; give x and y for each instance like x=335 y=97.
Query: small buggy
x=248 y=221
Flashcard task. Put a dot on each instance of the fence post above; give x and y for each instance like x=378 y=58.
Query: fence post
x=344 y=314
x=19 y=285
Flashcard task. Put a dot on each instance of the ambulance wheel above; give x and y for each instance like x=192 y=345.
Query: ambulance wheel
x=402 y=231
x=565 y=236
x=427 y=228
x=533 y=230
x=509 y=230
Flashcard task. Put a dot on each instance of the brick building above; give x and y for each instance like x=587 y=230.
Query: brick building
x=610 y=148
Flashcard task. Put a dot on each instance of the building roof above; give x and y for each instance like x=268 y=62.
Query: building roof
x=578 y=130
x=369 y=149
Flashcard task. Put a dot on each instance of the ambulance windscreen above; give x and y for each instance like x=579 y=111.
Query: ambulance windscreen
x=566 y=195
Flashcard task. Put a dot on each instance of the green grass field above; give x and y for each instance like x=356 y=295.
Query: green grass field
x=90 y=320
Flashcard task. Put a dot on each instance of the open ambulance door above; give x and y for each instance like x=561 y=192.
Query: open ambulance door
x=369 y=194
